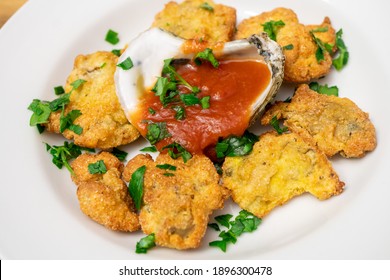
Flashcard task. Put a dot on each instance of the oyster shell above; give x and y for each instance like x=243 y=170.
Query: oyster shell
x=149 y=50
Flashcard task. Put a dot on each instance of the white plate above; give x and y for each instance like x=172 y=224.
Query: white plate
x=39 y=213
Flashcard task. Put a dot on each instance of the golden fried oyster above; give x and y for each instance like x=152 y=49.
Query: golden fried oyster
x=103 y=122
x=104 y=197
x=333 y=124
x=198 y=19
x=297 y=39
x=279 y=168
x=177 y=203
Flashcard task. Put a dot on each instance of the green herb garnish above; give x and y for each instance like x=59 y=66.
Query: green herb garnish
x=214 y=226
x=136 y=186
x=165 y=89
x=62 y=154
x=272 y=28
x=275 y=124
x=322 y=48
x=156 y=132
x=166 y=166
x=343 y=55
x=76 y=84
x=175 y=151
x=324 y=89
x=180 y=112
x=207 y=6
x=117 y=52
x=145 y=244
x=60 y=102
x=97 y=168
x=205 y=102
x=288 y=47
x=66 y=122
x=320 y=29
x=168 y=174
x=41 y=112
x=151 y=111
x=244 y=222
x=151 y=149
x=169 y=70
x=236 y=146
x=59 y=90
x=189 y=99
x=208 y=55
x=112 y=37
x=126 y=64
x=121 y=155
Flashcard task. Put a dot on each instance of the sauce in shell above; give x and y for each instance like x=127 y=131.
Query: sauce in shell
x=233 y=87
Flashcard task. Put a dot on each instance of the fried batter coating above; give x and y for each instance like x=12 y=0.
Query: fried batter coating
x=301 y=62
x=177 y=207
x=190 y=21
x=103 y=121
x=333 y=124
x=104 y=197
x=279 y=168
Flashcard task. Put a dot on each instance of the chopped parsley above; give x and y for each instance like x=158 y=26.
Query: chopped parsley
x=117 y=52
x=151 y=111
x=97 y=168
x=288 y=47
x=272 y=28
x=136 y=186
x=145 y=244
x=343 y=55
x=66 y=122
x=156 y=132
x=180 y=112
x=60 y=102
x=62 y=154
x=244 y=222
x=208 y=55
x=121 y=155
x=112 y=37
x=41 y=112
x=175 y=151
x=165 y=90
x=322 y=48
x=320 y=29
x=324 y=89
x=166 y=166
x=205 y=102
x=206 y=6
x=126 y=64
x=214 y=226
x=275 y=124
x=169 y=70
x=58 y=90
x=234 y=146
x=168 y=174
x=76 y=84
x=151 y=149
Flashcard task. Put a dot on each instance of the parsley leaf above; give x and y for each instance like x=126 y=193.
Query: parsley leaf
x=214 y=226
x=236 y=146
x=151 y=149
x=169 y=70
x=205 y=102
x=112 y=37
x=208 y=55
x=145 y=244
x=324 y=89
x=156 y=132
x=166 y=166
x=76 y=84
x=275 y=124
x=272 y=27
x=189 y=99
x=320 y=29
x=62 y=154
x=60 y=102
x=136 y=186
x=343 y=56
x=244 y=222
x=117 y=52
x=168 y=174
x=97 y=168
x=321 y=48
x=59 y=90
x=126 y=64
x=288 y=47
x=66 y=122
x=165 y=89
x=180 y=112
x=41 y=112
x=121 y=155
x=175 y=151
x=206 y=6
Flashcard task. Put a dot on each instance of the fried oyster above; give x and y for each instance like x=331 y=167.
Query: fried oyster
x=103 y=122
x=104 y=197
x=297 y=39
x=333 y=124
x=279 y=168
x=177 y=203
x=199 y=20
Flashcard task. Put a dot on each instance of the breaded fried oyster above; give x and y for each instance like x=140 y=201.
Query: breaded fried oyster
x=103 y=122
x=103 y=196
x=279 y=168
x=334 y=124
x=198 y=19
x=297 y=39
x=178 y=198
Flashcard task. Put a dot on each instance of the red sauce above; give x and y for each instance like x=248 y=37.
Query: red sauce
x=232 y=88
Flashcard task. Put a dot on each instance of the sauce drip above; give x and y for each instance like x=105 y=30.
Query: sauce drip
x=233 y=87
